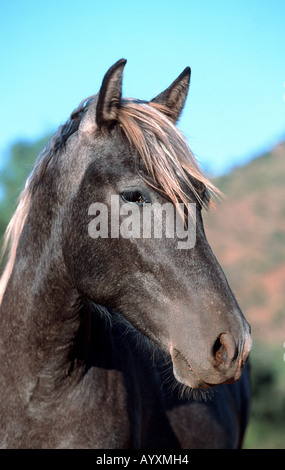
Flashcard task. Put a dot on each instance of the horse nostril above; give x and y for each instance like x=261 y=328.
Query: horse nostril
x=219 y=352
x=224 y=350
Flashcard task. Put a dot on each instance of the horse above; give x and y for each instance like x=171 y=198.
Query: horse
x=118 y=341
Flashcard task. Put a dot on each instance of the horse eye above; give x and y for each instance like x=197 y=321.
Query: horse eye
x=134 y=196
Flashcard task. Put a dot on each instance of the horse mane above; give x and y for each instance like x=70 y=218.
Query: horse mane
x=168 y=160
x=54 y=146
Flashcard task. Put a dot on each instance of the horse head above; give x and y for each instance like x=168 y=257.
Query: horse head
x=127 y=155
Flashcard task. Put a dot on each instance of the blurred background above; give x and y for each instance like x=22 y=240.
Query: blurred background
x=54 y=54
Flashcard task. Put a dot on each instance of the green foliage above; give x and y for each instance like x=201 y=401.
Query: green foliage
x=266 y=428
x=18 y=165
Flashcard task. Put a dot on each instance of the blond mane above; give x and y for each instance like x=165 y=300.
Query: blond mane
x=17 y=222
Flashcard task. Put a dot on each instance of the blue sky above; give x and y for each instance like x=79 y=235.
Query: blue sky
x=55 y=53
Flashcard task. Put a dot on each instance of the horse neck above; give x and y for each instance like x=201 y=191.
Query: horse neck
x=40 y=310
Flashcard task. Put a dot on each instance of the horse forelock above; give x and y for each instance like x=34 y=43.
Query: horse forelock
x=164 y=152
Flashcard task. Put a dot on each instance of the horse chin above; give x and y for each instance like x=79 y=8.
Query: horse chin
x=191 y=380
x=184 y=373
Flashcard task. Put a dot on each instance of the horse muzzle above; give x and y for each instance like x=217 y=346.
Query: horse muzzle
x=224 y=362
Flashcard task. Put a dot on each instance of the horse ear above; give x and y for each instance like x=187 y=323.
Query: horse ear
x=174 y=97
x=110 y=95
